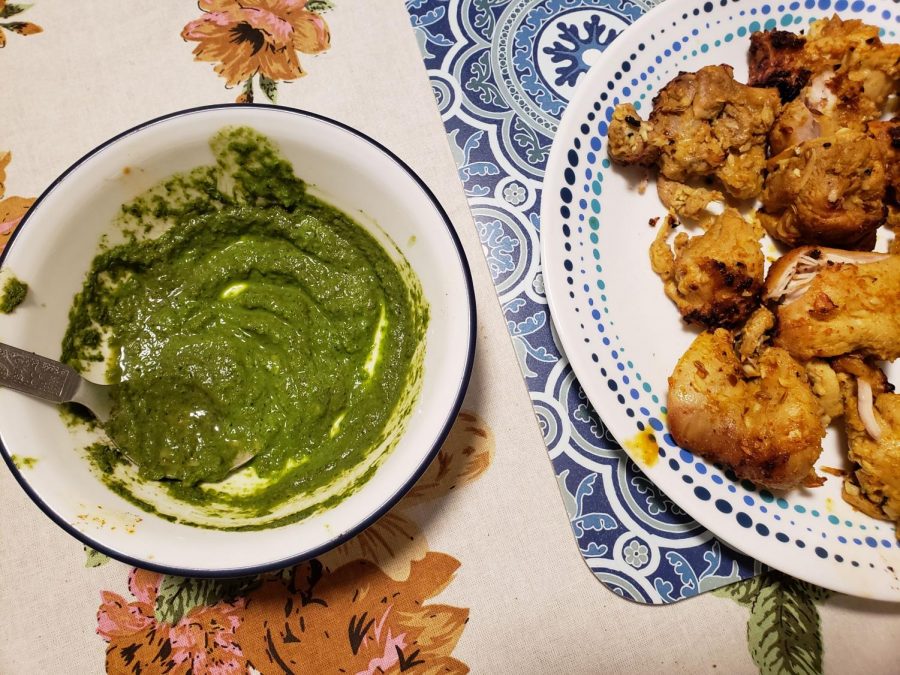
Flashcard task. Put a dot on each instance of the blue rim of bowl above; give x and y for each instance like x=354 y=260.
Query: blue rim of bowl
x=389 y=503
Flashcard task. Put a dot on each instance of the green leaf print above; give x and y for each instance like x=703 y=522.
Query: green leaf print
x=11 y=10
x=95 y=558
x=815 y=593
x=269 y=88
x=319 y=6
x=179 y=595
x=783 y=632
x=247 y=94
x=743 y=592
x=22 y=27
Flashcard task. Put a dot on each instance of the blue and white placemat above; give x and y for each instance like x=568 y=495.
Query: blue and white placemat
x=502 y=72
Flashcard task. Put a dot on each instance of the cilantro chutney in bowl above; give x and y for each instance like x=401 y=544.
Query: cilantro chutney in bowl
x=255 y=282
x=260 y=322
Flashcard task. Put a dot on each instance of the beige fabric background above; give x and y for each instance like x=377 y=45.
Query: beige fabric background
x=102 y=66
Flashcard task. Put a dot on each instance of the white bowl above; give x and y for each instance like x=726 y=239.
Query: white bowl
x=54 y=247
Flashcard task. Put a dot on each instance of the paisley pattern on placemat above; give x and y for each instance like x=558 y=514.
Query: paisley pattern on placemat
x=502 y=72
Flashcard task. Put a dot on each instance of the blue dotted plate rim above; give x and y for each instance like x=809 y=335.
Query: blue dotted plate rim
x=833 y=552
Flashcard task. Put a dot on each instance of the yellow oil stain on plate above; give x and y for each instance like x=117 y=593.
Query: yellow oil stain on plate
x=643 y=444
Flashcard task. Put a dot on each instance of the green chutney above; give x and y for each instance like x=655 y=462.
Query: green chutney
x=14 y=292
x=261 y=321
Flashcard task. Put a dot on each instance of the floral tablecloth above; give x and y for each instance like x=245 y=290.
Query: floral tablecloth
x=476 y=568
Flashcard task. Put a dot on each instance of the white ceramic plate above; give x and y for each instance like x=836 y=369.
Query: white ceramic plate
x=53 y=249
x=623 y=336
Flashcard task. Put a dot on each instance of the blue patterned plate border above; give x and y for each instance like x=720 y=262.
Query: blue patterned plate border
x=622 y=336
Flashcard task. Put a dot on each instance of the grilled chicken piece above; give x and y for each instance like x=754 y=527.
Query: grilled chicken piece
x=631 y=141
x=755 y=336
x=768 y=429
x=839 y=76
x=827 y=191
x=835 y=302
x=702 y=124
x=872 y=414
x=798 y=123
x=846 y=57
x=827 y=388
x=887 y=136
x=777 y=60
x=685 y=201
x=715 y=279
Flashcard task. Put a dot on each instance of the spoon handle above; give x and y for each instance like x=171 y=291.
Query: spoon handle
x=36 y=375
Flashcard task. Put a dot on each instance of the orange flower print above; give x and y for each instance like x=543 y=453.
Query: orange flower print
x=202 y=641
x=8 y=10
x=395 y=541
x=307 y=619
x=354 y=620
x=245 y=38
x=359 y=608
x=12 y=209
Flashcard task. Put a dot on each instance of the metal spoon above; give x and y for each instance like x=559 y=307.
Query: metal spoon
x=54 y=381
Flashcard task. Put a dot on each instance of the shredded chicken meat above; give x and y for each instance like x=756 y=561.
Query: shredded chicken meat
x=872 y=417
x=834 y=302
